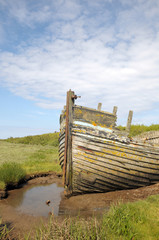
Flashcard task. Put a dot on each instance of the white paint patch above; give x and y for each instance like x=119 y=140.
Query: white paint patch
x=92 y=126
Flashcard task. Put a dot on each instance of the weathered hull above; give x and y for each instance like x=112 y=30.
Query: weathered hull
x=103 y=160
x=105 y=165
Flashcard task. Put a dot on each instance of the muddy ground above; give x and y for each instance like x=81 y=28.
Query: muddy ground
x=85 y=205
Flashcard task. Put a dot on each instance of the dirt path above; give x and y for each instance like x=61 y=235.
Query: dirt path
x=84 y=204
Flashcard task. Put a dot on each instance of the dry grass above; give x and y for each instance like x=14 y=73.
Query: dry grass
x=4 y=232
x=70 y=229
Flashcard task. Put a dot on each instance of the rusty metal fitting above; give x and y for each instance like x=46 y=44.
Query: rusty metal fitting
x=75 y=97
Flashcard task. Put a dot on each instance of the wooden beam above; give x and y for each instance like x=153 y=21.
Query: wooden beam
x=99 y=106
x=93 y=116
x=129 y=121
x=67 y=169
x=115 y=110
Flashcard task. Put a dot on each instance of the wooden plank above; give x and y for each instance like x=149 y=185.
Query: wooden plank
x=108 y=182
x=119 y=173
x=115 y=110
x=94 y=116
x=103 y=184
x=114 y=149
x=130 y=147
x=129 y=121
x=68 y=141
x=109 y=179
x=114 y=161
x=111 y=165
x=88 y=159
x=97 y=157
x=99 y=106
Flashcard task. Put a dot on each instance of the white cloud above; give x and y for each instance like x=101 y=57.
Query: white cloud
x=29 y=12
x=113 y=60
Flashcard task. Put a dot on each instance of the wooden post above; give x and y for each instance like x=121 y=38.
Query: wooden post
x=115 y=110
x=129 y=121
x=99 y=106
x=67 y=169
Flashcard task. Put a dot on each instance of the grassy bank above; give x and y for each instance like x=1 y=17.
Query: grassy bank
x=44 y=139
x=131 y=221
x=138 y=129
x=137 y=221
x=33 y=158
x=11 y=173
x=37 y=155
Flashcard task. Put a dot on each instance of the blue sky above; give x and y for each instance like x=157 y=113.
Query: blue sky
x=105 y=50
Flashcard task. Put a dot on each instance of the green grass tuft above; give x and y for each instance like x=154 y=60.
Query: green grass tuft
x=11 y=173
x=2 y=185
x=4 y=231
x=138 y=220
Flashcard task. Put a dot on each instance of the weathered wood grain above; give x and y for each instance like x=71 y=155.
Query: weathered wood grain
x=99 y=106
x=94 y=116
x=129 y=121
x=97 y=157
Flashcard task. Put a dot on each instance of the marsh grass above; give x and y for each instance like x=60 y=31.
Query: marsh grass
x=2 y=185
x=138 y=220
x=4 y=231
x=33 y=158
x=138 y=129
x=131 y=221
x=44 y=139
x=70 y=229
x=43 y=160
x=11 y=173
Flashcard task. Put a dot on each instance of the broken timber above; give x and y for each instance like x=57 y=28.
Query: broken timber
x=96 y=157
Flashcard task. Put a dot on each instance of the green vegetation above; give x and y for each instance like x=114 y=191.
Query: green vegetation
x=33 y=158
x=44 y=139
x=2 y=185
x=138 y=129
x=43 y=160
x=4 y=232
x=37 y=155
x=137 y=221
x=71 y=228
x=11 y=173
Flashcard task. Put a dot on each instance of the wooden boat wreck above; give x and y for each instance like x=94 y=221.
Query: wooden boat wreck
x=96 y=157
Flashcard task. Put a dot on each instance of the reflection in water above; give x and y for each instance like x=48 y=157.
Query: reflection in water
x=32 y=200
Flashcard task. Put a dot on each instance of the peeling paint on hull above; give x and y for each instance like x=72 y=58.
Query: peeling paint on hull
x=100 y=157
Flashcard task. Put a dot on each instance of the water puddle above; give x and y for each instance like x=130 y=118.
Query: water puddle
x=39 y=200
x=45 y=196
